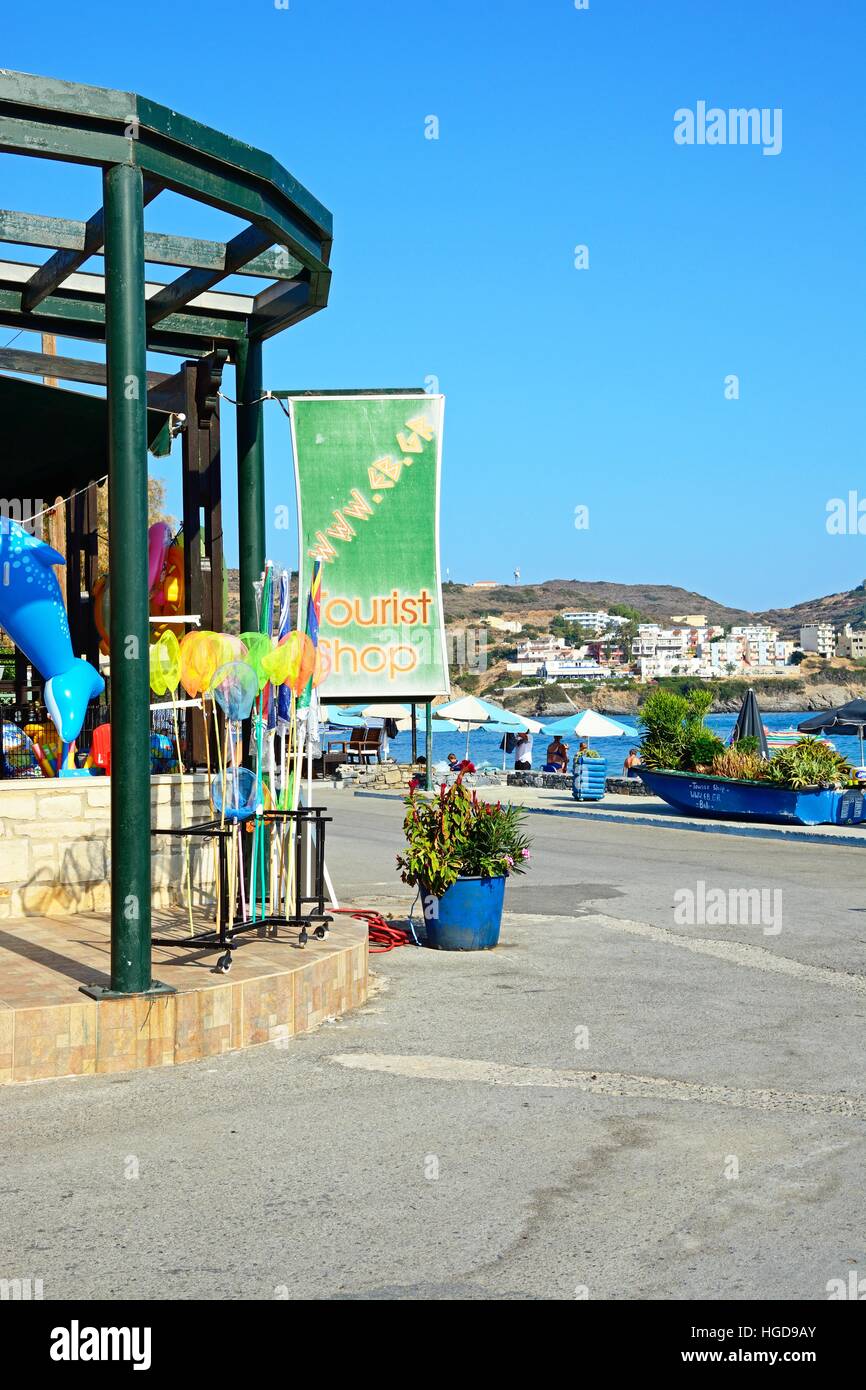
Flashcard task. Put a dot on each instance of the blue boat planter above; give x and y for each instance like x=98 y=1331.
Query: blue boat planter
x=697 y=794
x=468 y=915
x=589 y=776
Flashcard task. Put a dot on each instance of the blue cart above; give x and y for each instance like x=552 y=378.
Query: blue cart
x=588 y=779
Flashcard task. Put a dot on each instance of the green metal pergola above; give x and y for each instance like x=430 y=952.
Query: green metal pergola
x=142 y=149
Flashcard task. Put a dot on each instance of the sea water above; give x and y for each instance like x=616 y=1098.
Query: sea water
x=484 y=747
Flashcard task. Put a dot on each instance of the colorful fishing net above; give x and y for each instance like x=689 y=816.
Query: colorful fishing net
x=165 y=664
x=234 y=687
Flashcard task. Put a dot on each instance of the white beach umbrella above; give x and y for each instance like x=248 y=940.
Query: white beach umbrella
x=384 y=711
x=522 y=724
x=469 y=712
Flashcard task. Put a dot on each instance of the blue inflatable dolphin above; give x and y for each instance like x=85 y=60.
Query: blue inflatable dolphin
x=32 y=612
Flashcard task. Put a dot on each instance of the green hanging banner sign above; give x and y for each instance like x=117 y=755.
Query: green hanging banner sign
x=367 y=475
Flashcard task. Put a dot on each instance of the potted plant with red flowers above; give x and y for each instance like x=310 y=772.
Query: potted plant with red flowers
x=459 y=852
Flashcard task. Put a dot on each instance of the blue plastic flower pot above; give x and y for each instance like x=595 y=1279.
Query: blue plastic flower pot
x=468 y=915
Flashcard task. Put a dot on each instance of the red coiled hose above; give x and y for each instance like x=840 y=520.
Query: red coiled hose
x=383 y=935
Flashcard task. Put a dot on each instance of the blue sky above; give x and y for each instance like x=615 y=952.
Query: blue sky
x=454 y=258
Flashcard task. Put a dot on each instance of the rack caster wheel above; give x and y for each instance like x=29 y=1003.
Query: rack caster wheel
x=224 y=964
x=321 y=932
x=302 y=938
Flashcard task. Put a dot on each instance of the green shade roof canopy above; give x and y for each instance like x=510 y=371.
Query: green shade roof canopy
x=287 y=239
x=53 y=441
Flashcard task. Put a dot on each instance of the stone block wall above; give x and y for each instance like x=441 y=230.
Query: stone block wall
x=374 y=776
x=619 y=786
x=395 y=777
x=627 y=786
x=55 y=844
x=560 y=780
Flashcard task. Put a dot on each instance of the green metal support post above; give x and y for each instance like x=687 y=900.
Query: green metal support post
x=428 y=746
x=127 y=527
x=251 y=476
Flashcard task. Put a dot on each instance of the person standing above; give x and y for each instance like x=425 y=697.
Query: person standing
x=523 y=752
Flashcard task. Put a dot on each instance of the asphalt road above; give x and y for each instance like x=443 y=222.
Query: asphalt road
x=614 y=1104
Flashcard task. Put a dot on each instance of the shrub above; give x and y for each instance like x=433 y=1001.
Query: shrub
x=700 y=701
x=662 y=717
x=749 y=744
x=675 y=736
x=701 y=749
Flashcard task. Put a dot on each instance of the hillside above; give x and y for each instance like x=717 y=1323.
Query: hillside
x=655 y=601
x=535 y=602
x=554 y=595
x=838 y=609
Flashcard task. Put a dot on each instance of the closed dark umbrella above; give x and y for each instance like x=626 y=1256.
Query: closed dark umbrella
x=750 y=724
x=848 y=720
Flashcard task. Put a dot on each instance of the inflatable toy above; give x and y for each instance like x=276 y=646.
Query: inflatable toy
x=158 y=542
x=32 y=613
x=162 y=754
x=164 y=579
x=167 y=599
x=19 y=755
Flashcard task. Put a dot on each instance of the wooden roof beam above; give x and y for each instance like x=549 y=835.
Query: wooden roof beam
x=60 y=233
x=51 y=275
x=65 y=368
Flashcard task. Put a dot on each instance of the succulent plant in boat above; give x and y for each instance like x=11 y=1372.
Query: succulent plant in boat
x=809 y=763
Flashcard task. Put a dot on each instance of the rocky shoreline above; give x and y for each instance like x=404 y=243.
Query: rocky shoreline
x=814 y=695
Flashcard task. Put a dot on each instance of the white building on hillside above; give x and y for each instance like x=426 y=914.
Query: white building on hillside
x=820 y=638
x=574 y=670
x=533 y=655
x=537 y=648
x=708 y=653
x=852 y=643
x=596 y=621
x=653 y=640
x=762 y=645
x=503 y=624
x=650 y=668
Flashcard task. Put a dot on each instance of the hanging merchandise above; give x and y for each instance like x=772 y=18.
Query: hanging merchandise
x=33 y=615
x=165 y=669
x=234 y=687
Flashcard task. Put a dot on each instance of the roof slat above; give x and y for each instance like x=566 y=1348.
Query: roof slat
x=180 y=334
x=187 y=287
x=17 y=276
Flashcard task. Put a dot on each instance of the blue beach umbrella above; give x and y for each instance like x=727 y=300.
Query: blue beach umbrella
x=342 y=718
x=589 y=723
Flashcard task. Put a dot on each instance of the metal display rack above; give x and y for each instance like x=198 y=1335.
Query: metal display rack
x=310 y=822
